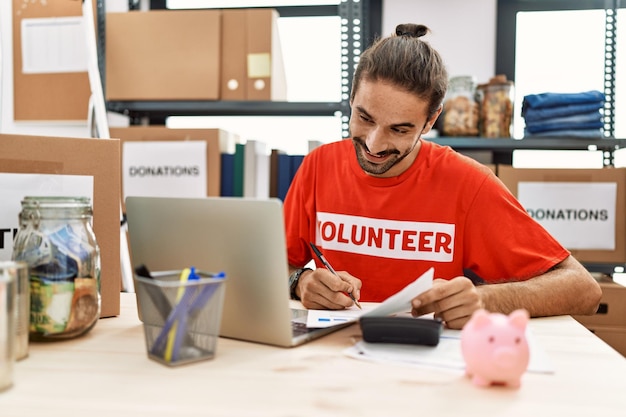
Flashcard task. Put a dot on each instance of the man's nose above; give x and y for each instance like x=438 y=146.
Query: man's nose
x=376 y=141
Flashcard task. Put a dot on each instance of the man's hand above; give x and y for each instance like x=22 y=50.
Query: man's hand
x=453 y=301
x=320 y=289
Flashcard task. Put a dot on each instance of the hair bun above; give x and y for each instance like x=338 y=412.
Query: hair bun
x=411 y=30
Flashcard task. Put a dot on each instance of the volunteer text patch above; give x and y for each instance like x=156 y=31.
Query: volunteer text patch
x=386 y=238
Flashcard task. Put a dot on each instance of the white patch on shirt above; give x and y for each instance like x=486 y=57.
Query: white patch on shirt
x=394 y=239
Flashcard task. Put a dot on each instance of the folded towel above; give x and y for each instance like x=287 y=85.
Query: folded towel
x=560 y=99
x=531 y=114
x=571 y=133
x=571 y=120
x=546 y=127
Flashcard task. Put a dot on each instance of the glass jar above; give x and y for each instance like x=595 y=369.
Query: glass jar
x=460 y=109
x=496 y=107
x=56 y=240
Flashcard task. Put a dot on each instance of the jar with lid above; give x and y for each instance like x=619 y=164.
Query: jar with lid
x=460 y=109
x=56 y=240
x=496 y=107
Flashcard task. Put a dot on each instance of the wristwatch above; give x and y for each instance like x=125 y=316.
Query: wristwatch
x=293 y=282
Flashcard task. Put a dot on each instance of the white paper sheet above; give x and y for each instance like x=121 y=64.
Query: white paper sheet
x=400 y=302
x=447 y=354
x=53 y=45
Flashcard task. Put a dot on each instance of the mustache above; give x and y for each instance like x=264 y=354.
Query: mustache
x=361 y=143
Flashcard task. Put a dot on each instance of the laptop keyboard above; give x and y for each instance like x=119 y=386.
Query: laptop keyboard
x=299 y=328
x=298 y=322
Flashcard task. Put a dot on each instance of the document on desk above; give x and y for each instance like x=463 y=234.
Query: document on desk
x=400 y=302
x=447 y=354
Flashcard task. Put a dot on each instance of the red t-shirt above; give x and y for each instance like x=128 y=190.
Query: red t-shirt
x=446 y=211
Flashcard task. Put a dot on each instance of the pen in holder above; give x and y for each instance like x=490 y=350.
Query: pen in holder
x=181 y=312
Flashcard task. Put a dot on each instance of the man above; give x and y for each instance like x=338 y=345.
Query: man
x=387 y=205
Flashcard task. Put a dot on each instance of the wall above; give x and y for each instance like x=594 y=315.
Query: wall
x=464 y=32
x=465 y=39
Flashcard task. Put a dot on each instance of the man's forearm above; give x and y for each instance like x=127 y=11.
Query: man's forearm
x=567 y=289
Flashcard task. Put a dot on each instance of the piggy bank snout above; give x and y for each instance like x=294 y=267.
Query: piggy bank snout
x=506 y=357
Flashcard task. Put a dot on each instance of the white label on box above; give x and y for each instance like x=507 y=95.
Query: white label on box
x=165 y=169
x=259 y=66
x=580 y=215
x=17 y=186
x=53 y=45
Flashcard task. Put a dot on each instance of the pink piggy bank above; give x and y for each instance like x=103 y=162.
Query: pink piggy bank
x=495 y=348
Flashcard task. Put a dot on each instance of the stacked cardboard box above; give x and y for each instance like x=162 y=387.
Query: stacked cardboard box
x=585 y=210
x=98 y=158
x=218 y=141
x=609 y=323
x=212 y=54
x=163 y=55
x=252 y=66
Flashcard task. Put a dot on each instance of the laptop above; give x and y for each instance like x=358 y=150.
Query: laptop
x=243 y=237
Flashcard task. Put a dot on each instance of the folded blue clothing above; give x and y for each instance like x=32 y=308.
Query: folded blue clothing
x=532 y=114
x=571 y=133
x=561 y=99
x=547 y=127
x=592 y=116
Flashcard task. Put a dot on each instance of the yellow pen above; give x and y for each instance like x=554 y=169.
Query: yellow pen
x=330 y=268
x=171 y=337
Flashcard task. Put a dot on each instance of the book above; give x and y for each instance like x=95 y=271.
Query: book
x=238 y=170
x=227 y=183
x=256 y=170
x=295 y=162
x=274 y=153
x=284 y=175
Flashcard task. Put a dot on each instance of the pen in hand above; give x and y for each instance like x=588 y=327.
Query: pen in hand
x=330 y=268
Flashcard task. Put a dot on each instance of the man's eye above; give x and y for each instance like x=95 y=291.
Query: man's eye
x=365 y=118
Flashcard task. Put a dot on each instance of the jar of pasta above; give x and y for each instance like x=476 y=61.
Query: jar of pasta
x=55 y=238
x=460 y=109
x=496 y=107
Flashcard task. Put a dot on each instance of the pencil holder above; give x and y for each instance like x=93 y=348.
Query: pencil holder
x=181 y=312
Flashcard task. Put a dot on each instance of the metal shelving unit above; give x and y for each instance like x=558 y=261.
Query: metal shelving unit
x=502 y=148
x=506 y=29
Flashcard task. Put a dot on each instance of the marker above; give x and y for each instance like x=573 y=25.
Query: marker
x=330 y=268
x=329 y=319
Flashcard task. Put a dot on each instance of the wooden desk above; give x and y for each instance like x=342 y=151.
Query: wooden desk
x=107 y=373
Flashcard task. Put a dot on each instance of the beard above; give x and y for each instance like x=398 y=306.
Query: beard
x=395 y=156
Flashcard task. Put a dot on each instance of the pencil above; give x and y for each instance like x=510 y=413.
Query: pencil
x=331 y=269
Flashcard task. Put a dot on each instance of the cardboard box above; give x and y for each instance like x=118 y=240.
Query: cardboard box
x=252 y=62
x=218 y=141
x=265 y=66
x=613 y=336
x=584 y=207
x=99 y=158
x=233 y=82
x=612 y=310
x=47 y=94
x=163 y=55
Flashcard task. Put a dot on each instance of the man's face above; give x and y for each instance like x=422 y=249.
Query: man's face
x=385 y=125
